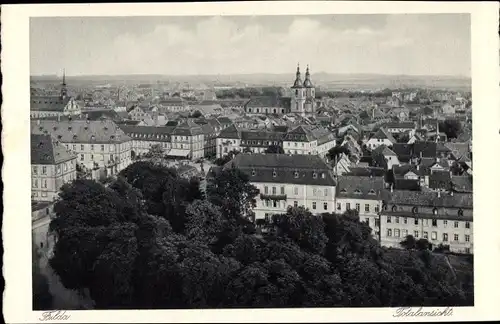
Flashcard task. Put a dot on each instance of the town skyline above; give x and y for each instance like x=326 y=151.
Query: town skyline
x=416 y=45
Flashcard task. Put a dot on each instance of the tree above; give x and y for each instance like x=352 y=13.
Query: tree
x=196 y=114
x=336 y=151
x=451 y=127
x=274 y=149
x=409 y=242
x=422 y=244
x=42 y=298
x=232 y=191
x=156 y=153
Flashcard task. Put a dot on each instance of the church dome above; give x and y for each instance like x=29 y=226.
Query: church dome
x=298 y=80
x=307 y=81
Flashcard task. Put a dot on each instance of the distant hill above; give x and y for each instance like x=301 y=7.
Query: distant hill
x=321 y=79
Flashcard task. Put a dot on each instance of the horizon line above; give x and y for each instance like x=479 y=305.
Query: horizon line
x=249 y=74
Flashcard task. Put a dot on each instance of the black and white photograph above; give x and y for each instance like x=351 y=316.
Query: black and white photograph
x=251 y=161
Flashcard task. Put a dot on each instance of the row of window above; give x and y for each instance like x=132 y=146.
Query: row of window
x=434 y=222
x=425 y=235
x=316 y=192
x=276 y=204
x=112 y=147
x=358 y=207
x=414 y=210
x=265 y=110
x=258 y=142
x=43 y=183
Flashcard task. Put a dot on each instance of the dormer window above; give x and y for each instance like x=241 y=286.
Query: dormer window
x=59 y=136
x=394 y=208
x=296 y=174
x=460 y=212
x=92 y=137
x=274 y=173
x=253 y=172
x=322 y=175
x=74 y=136
x=315 y=175
x=414 y=210
x=357 y=191
x=69 y=128
x=343 y=190
x=371 y=192
x=435 y=211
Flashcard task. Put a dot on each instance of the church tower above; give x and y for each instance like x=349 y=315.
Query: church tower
x=310 y=100
x=298 y=94
x=64 y=90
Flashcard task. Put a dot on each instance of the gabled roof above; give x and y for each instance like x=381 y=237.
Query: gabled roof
x=383 y=150
x=48 y=103
x=282 y=168
x=46 y=150
x=81 y=131
x=188 y=128
x=382 y=133
x=360 y=187
x=232 y=132
x=431 y=199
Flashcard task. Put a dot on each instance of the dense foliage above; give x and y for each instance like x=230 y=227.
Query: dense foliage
x=151 y=240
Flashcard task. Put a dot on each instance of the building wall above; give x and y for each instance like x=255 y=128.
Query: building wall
x=195 y=144
x=40 y=229
x=373 y=143
x=368 y=209
x=47 y=179
x=315 y=198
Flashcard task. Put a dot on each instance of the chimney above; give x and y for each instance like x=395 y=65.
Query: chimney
x=420 y=154
x=392 y=187
x=439 y=194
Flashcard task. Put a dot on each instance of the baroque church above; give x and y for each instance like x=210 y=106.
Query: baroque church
x=303 y=99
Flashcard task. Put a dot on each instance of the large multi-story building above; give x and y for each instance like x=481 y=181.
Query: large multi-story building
x=288 y=180
x=186 y=140
x=441 y=218
x=100 y=145
x=363 y=194
x=309 y=139
x=52 y=165
x=48 y=106
x=306 y=139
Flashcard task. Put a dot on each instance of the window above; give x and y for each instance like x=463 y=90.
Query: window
x=274 y=174
x=416 y=221
x=377 y=208
x=426 y=235
x=377 y=222
x=274 y=190
x=455 y=237
x=397 y=220
x=396 y=233
x=314 y=191
x=339 y=206
x=357 y=207
x=102 y=147
x=348 y=206
x=367 y=221
x=295 y=204
x=405 y=220
x=74 y=147
x=267 y=218
x=415 y=234
x=394 y=208
x=467 y=225
x=91 y=147
x=92 y=157
x=326 y=192
x=35 y=183
x=82 y=147
x=314 y=205
x=445 y=237
x=405 y=233
x=435 y=211
x=456 y=225
x=275 y=203
x=44 y=183
x=460 y=213
x=266 y=190
x=389 y=232
x=253 y=172
x=467 y=238
x=367 y=208
x=282 y=190
x=388 y=219
x=296 y=191
x=414 y=210
x=296 y=174
x=315 y=175
x=44 y=170
x=434 y=223
x=434 y=235
x=325 y=206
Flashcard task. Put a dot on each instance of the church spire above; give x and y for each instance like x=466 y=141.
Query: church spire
x=298 y=79
x=64 y=91
x=307 y=81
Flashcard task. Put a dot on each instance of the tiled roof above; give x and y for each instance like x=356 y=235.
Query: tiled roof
x=440 y=180
x=383 y=150
x=224 y=120
x=403 y=151
x=46 y=150
x=188 y=128
x=262 y=135
x=282 y=168
x=431 y=199
x=148 y=133
x=406 y=184
x=366 y=172
x=409 y=125
x=232 y=132
x=360 y=187
x=48 y=103
x=458 y=149
x=425 y=149
x=79 y=131
x=401 y=170
x=462 y=183
x=172 y=101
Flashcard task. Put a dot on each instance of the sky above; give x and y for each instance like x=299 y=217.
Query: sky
x=409 y=44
